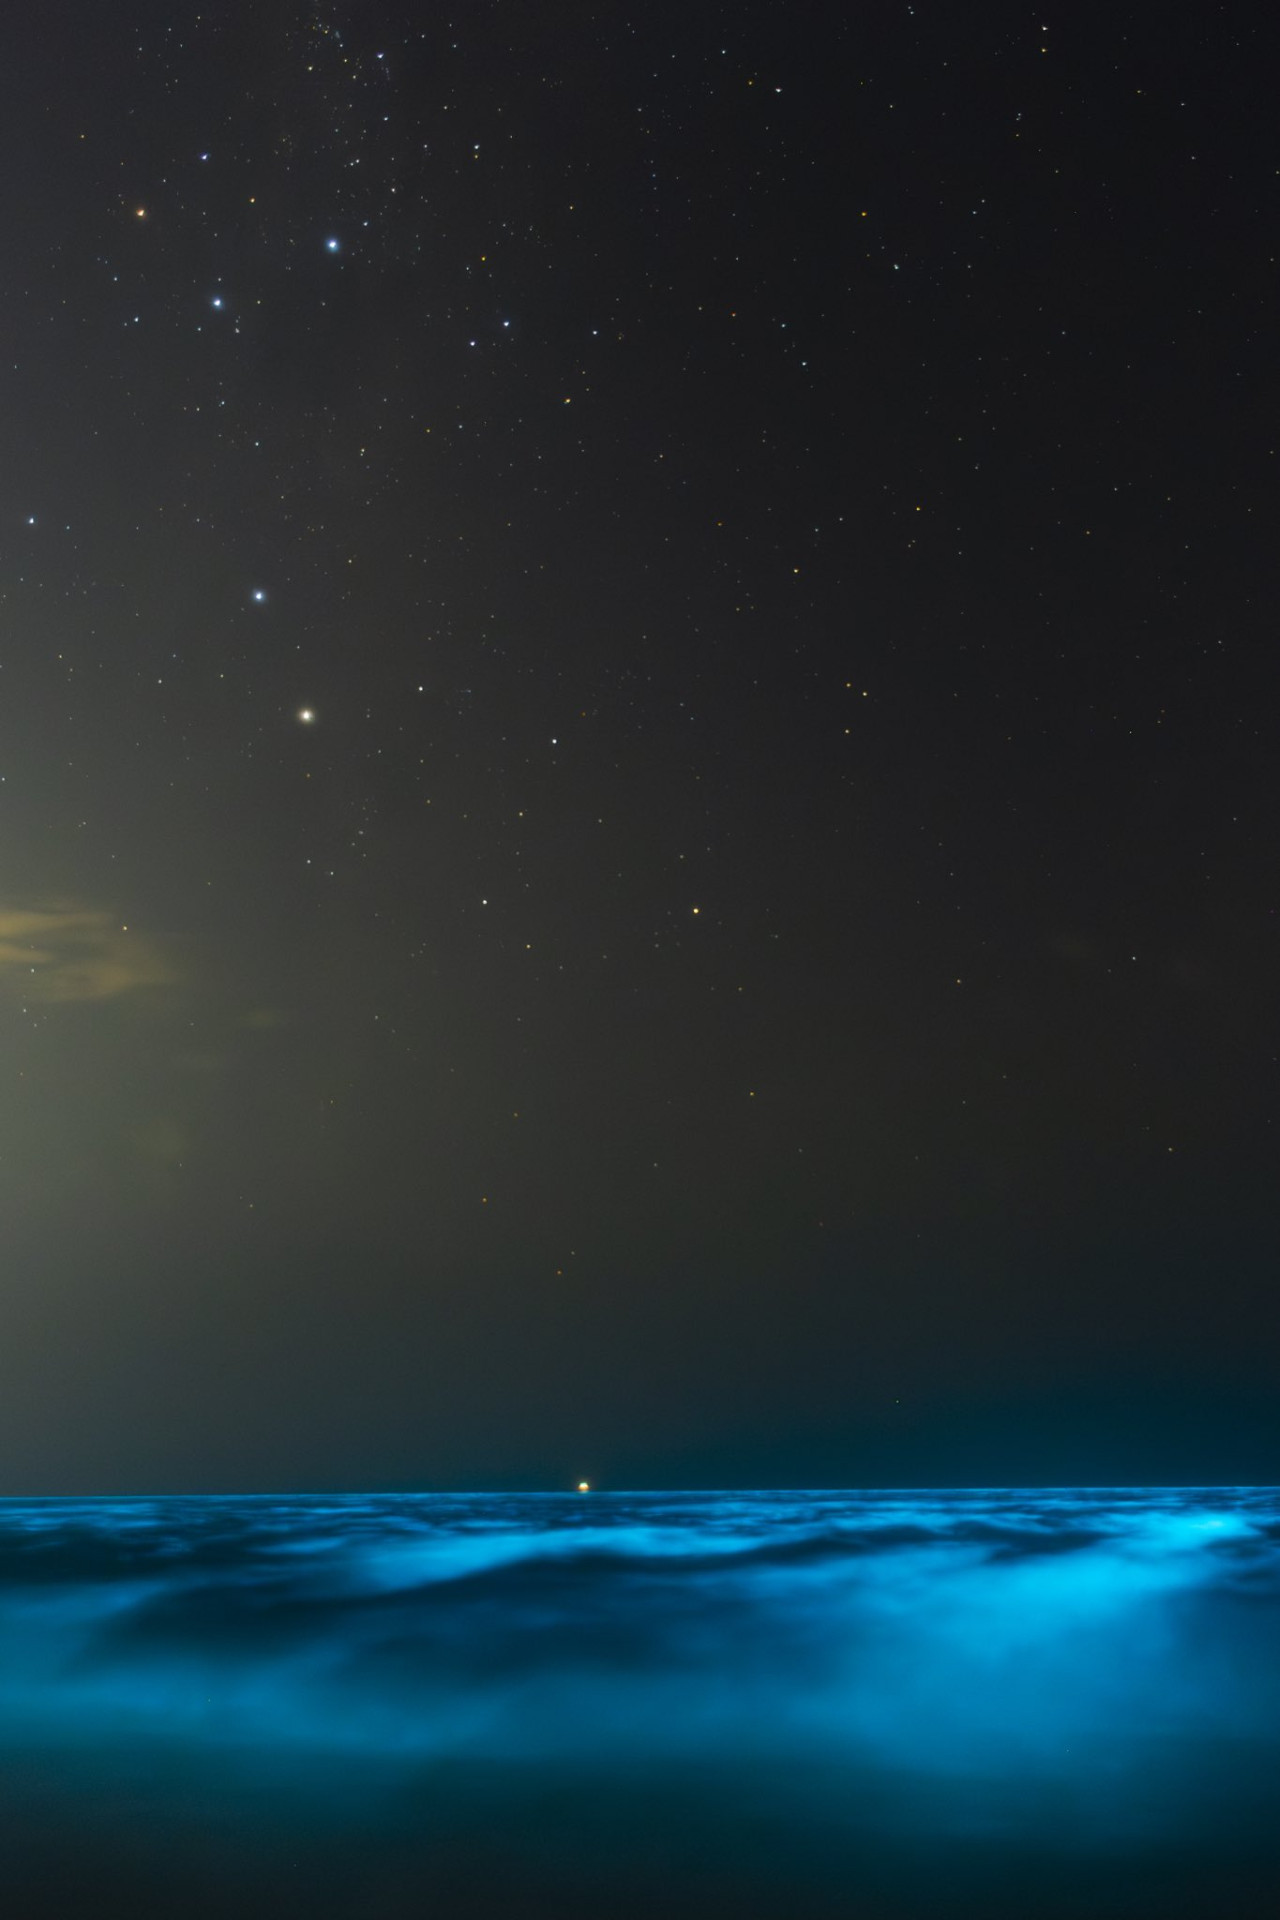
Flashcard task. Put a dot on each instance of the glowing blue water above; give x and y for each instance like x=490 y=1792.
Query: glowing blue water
x=1042 y=1702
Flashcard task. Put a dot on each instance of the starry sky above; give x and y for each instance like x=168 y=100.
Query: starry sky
x=638 y=817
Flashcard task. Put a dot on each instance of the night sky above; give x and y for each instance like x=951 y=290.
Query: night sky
x=638 y=695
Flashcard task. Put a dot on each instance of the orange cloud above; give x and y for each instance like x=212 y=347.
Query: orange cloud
x=67 y=953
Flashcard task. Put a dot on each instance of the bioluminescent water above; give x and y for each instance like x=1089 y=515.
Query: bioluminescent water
x=767 y=1703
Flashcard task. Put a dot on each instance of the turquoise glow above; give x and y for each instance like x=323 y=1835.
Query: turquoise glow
x=1020 y=1673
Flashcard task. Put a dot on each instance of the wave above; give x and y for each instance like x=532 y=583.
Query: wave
x=787 y=1674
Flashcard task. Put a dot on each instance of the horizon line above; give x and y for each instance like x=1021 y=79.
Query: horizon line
x=574 y=1492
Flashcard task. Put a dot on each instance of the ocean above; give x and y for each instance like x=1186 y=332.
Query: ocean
x=793 y=1704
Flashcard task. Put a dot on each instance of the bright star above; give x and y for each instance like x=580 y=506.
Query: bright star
x=306 y=715
x=216 y=300
x=259 y=594
x=332 y=246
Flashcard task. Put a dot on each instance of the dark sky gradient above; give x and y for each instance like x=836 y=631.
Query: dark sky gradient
x=761 y=967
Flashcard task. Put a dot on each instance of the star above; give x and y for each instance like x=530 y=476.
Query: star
x=259 y=595
x=307 y=716
x=332 y=245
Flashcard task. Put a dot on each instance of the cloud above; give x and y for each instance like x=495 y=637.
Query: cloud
x=66 y=953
